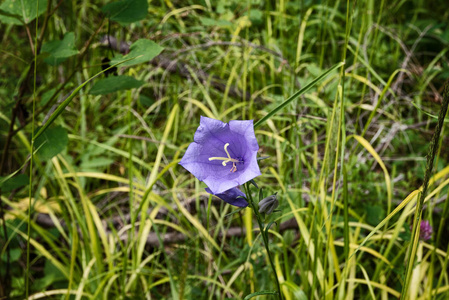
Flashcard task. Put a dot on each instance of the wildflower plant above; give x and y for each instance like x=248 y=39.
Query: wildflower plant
x=224 y=156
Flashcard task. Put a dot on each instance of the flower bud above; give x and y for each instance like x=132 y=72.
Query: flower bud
x=268 y=204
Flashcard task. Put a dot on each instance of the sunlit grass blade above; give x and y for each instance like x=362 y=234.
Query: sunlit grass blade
x=404 y=202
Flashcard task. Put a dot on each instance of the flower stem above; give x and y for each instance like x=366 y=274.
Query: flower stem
x=420 y=204
x=264 y=237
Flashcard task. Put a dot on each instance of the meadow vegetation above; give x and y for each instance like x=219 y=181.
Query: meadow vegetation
x=100 y=100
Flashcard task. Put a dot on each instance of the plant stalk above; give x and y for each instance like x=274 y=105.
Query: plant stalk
x=264 y=237
x=419 y=206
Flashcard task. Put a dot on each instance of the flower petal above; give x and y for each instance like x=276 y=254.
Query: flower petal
x=196 y=161
x=246 y=129
x=211 y=128
x=223 y=155
x=231 y=196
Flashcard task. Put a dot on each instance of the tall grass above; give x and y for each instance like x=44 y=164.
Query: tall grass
x=113 y=215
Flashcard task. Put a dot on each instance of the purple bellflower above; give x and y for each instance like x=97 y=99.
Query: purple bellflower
x=232 y=196
x=223 y=155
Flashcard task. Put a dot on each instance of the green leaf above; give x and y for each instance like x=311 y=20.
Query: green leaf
x=14 y=255
x=254 y=183
x=314 y=69
x=298 y=294
x=51 y=142
x=60 y=50
x=17 y=284
x=144 y=51
x=51 y=270
x=66 y=102
x=51 y=275
x=114 y=84
x=14 y=183
x=46 y=96
x=5 y=18
x=255 y=16
x=211 y=22
x=374 y=214
x=406 y=234
x=18 y=12
x=145 y=101
x=235 y=211
x=269 y=226
x=260 y=293
x=126 y=11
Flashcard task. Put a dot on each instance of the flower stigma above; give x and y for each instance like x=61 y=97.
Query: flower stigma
x=227 y=159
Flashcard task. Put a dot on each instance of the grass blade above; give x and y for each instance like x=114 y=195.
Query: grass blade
x=297 y=94
x=66 y=102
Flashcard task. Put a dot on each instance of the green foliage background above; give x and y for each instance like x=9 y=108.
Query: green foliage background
x=103 y=210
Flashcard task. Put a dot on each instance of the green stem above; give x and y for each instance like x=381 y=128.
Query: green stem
x=264 y=237
x=30 y=191
x=419 y=205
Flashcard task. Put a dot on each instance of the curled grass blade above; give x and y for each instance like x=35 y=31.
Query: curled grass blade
x=376 y=156
x=409 y=198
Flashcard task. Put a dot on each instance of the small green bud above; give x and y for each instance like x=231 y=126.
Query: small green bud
x=268 y=204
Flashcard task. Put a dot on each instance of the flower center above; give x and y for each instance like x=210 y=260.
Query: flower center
x=227 y=159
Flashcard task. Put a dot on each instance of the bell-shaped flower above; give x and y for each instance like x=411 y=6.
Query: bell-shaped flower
x=223 y=155
x=232 y=196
